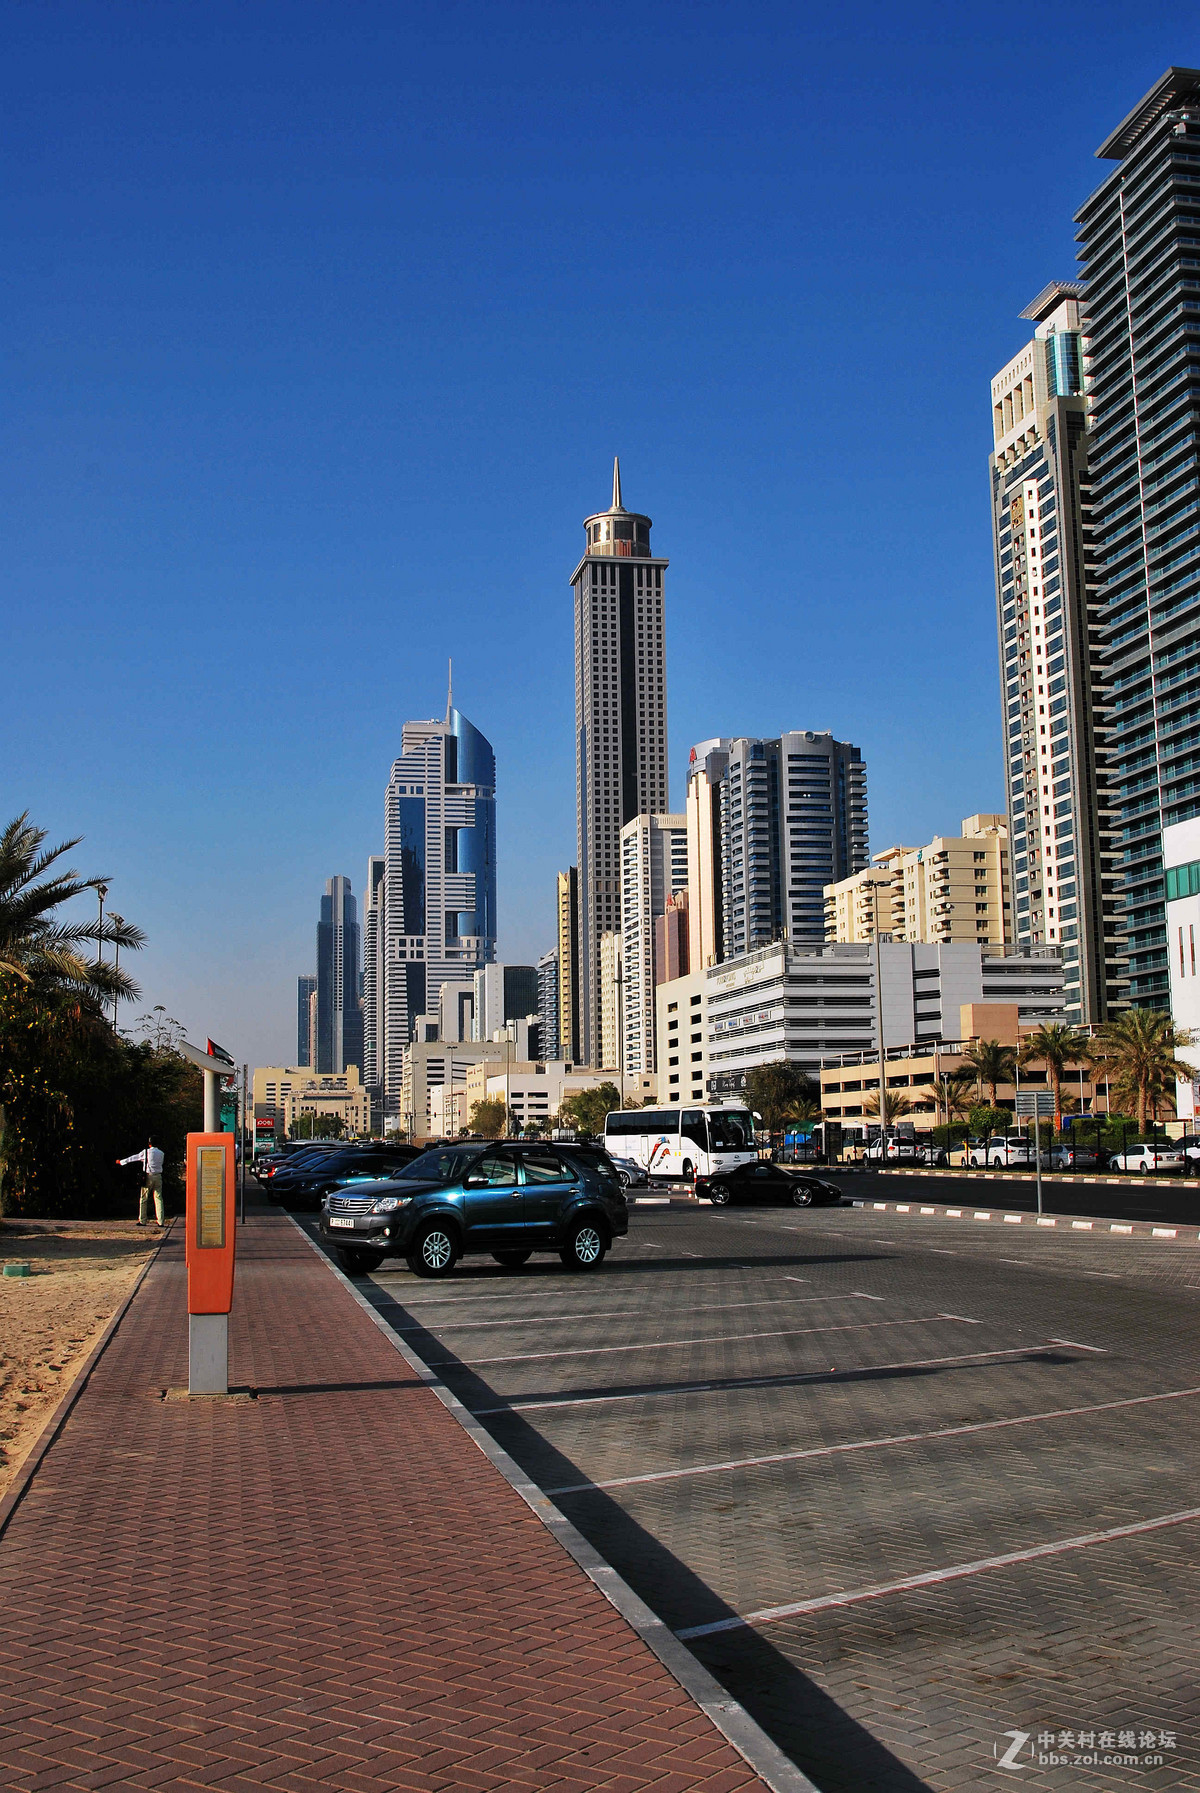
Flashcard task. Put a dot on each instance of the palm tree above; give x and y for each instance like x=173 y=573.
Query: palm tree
x=38 y=950
x=991 y=1063
x=1138 y=1052
x=1056 y=1046
x=956 y=1094
x=895 y=1107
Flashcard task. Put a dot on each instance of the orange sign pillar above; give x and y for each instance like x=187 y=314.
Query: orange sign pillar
x=211 y=1234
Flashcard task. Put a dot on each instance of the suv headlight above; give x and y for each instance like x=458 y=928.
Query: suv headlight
x=387 y=1204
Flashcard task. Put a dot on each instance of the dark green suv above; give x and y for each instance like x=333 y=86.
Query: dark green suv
x=508 y=1200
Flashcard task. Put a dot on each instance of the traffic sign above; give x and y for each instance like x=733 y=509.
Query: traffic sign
x=1035 y=1104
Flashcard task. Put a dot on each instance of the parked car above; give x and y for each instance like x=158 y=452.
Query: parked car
x=1189 y=1145
x=303 y=1185
x=935 y=1155
x=1068 y=1157
x=763 y=1182
x=508 y=1200
x=1002 y=1151
x=1146 y=1158
x=630 y=1173
x=900 y=1150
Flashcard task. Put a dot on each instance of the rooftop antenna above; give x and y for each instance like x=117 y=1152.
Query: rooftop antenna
x=449 y=688
x=616 y=503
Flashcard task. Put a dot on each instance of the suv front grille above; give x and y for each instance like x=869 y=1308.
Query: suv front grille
x=351 y=1204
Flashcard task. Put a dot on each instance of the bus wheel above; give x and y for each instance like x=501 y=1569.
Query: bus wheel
x=689 y=1173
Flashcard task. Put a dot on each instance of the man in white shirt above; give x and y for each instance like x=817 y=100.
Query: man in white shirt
x=151 y=1161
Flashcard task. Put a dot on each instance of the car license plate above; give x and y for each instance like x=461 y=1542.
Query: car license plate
x=337 y=1220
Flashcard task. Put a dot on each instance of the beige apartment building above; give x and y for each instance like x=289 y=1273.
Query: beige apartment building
x=609 y=993
x=957 y=888
x=533 y=1092
x=283 y=1093
x=430 y=1065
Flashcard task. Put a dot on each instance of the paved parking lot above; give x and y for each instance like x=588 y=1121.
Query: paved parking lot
x=908 y=1489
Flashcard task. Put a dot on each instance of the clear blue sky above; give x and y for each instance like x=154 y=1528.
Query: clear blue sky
x=324 y=323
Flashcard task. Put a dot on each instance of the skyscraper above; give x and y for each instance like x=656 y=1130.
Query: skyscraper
x=339 y=995
x=304 y=1039
x=793 y=819
x=654 y=865
x=1050 y=660
x=706 y=901
x=547 y=983
x=372 y=930
x=1141 y=255
x=439 y=880
x=567 y=914
x=620 y=721
x=503 y=993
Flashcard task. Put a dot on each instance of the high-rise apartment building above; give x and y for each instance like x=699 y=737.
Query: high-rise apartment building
x=859 y=907
x=1140 y=250
x=339 y=986
x=671 y=957
x=610 y=1015
x=620 y=722
x=305 y=986
x=438 y=921
x=567 y=922
x=1050 y=659
x=793 y=819
x=654 y=865
x=706 y=917
x=503 y=993
x=547 y=1003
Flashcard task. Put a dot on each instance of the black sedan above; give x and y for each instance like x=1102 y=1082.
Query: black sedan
x=767 y=1183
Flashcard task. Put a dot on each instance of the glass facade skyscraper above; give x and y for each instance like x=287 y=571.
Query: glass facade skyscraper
x=1139 y=237
x=339 y=1039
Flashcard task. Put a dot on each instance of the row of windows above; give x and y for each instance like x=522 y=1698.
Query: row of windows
x=1183 y=880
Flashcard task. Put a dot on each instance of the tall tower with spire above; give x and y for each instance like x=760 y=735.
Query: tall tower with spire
x=620 y=722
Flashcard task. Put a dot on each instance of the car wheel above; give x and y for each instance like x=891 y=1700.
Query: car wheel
x=624 y=1179
x=434 y=1251
x=585 y=1247
x=1143 y=1167
x=359 y=1263
x=512 y=1260
x=802 y=1197
x=718 y=1195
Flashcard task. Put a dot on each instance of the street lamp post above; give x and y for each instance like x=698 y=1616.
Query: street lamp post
x=619 y=980
x=118 y=921
x=879 y=1031
x=101 y=892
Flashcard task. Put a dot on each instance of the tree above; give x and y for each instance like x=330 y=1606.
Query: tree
x=587 y=1109
x=956 y=1094
x=311 y=1125
x=989 y=1120
x=160 y=1030
x=1139 y=1054
x=895 y=1106
x=1056 y=1046
x=775 y=1092
x=991 y=1063
x=488 y=1116
x=36 y=948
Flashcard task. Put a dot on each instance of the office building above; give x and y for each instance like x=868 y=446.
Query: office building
x=547 y=1003
x=567 y=921
x=671 y=940
x=1141 y=258
x=339 y=980
x=439 y=881
x=431 y=1064
x=503 y=993
x=806 y=1004
x=287 y=1093
x=1050 y=659
x=620 y=722
x=1181 y=869
x=610 y=1019
x=373 y=983
x=706 y=769
x=654 y=866
x=793 y=819
x=305 y=990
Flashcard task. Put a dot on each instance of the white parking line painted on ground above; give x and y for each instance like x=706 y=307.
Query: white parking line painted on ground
x=861 y=1295
x=700 y=1388
x=624 y=1313
x=875 y=1444
x=963 y=1317
x=1076 y=1346
x=932 y=1577
x=716 y=1338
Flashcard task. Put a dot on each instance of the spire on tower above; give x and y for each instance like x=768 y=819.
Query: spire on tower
x=616 y=503
x=449 y=688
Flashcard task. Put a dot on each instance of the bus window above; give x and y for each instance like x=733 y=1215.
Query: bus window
x=691 y=1126
x=731 y=1130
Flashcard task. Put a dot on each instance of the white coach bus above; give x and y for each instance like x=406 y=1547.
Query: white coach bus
x=681 y=1143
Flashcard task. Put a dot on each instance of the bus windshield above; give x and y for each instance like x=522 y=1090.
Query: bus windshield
x=730 y=1130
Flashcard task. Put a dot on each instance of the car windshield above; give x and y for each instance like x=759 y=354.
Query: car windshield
x=730 y=1130
x=441 y=1165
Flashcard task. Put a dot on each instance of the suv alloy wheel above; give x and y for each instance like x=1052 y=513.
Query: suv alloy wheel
x=585 y=1247
x=434 y=1251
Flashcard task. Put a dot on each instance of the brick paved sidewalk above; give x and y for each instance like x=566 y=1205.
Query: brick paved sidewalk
x=327 y=1586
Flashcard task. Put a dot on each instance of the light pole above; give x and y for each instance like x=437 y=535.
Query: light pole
x=619 y=980
x=117 y=921
x=101 y=892
x=879 y=1031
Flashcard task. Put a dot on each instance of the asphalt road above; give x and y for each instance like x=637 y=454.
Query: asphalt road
x=1128 y=1200
x=851 y=1457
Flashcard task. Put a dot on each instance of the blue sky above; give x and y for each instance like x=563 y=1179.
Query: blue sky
x=325 y=322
